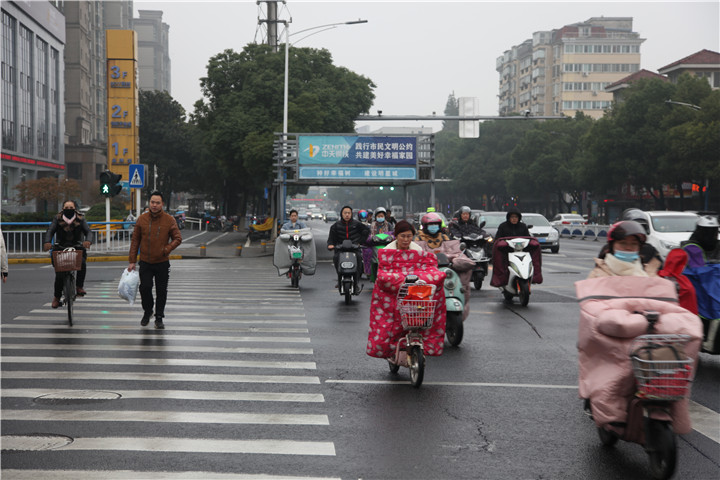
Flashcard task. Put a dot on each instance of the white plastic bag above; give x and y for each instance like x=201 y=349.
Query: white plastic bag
x=128 y=287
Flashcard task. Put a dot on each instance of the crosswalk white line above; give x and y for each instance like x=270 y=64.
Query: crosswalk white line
x=136 y=474
x=151 y=348
x=165 y=416
x=160 y=377
x=175 y=319
x=197 y=445
x=174 y=395
x=79 y=311
x=205 y=329
x=255 y=305
x=154 y=334
x=159 y=362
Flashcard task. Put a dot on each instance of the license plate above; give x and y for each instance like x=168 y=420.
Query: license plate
x=541 y=240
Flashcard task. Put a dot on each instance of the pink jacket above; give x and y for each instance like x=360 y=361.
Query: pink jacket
x=385 y=328
x=608 y=327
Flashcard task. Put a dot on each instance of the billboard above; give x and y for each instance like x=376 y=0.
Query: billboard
x=328 y=150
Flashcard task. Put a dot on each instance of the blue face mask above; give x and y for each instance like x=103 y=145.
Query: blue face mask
x=380 y=220
x=626 y=256
x=433 y=229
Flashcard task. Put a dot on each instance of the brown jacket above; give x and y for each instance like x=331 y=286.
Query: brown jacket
x=155 y=236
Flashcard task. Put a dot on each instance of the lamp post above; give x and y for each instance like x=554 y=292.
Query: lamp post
x=707 y=180
x=280 y=175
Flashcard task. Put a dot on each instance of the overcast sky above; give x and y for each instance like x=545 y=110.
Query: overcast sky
x=418 y=52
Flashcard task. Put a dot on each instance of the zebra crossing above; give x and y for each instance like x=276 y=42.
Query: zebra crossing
x=231 y=379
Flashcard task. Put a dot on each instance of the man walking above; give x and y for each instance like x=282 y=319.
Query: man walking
x=156 y=234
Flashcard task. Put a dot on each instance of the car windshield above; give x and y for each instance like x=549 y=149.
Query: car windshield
x=492 y=220
x=674 y=223
x=536 y=220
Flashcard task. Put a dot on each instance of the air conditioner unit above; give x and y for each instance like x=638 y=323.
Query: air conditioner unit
x=594 y=93
x=585 y=74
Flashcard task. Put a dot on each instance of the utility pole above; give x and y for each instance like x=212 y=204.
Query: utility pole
x=272 y=22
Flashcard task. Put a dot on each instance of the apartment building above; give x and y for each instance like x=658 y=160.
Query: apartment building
x=153 y=51
x=32 y=71
x=562 y=71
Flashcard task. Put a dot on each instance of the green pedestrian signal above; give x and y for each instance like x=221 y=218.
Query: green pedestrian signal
x=109 y=186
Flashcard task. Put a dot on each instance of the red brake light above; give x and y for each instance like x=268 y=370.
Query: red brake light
x=565 y=222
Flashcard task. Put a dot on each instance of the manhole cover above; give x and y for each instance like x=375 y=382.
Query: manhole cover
x=34 y=442
x=77 y=396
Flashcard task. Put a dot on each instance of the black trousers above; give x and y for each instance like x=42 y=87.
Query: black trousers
x=79 y=279
x=160 y=273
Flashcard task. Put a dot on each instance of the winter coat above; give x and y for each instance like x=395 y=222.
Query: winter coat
x=611 y=267
x=353 y=230
x=384 y=227
x=385 y=326
x=459 y=229
x=674 y=265
x=462 y=265
x=512 y=230
x=608 y=325
x=68 y=235
x=155 y=235
x=3 y=256
x=433 y=241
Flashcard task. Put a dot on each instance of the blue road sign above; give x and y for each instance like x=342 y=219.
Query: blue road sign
x=136 y=173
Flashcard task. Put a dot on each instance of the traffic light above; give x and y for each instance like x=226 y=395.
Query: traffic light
x=109 y=186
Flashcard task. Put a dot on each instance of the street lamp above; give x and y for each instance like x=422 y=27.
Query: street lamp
x=707 y=180
x=329 y=26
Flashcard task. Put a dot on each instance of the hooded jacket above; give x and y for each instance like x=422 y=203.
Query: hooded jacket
x=675 y=263
x=460 y=228
x=342 y=230
x=507 y=229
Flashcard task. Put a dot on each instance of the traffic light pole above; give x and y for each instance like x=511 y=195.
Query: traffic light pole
x=107 y=222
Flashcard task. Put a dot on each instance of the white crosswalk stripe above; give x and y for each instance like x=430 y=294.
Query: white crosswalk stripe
x=236 y=351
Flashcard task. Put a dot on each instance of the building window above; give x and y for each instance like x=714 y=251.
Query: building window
x=74 y=171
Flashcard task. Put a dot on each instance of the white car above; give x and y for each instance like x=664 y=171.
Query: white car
x=568 y=219
x=665 y=229
x=541 y=229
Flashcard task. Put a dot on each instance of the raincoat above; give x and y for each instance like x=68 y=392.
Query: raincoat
x=385 y=327
x=608 y=325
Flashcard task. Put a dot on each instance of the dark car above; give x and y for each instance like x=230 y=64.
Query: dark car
x=492 y=221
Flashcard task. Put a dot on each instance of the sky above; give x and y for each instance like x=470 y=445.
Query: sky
x=417 y=53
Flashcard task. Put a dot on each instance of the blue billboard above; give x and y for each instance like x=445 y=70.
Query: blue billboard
x=356 y=150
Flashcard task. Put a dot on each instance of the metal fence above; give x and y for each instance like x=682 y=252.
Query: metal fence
x=30 y=238
x=584 y=232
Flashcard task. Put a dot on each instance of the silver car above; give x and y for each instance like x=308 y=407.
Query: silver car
x=541 y=229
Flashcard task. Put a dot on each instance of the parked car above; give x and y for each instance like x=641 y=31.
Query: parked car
x=665 y=229
x=541 y=229
x=568 y=219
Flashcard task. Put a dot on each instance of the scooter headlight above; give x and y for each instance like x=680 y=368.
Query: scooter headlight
x=449 y=285
x=347 y=265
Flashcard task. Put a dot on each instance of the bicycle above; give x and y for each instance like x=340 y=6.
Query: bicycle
x=68 y=261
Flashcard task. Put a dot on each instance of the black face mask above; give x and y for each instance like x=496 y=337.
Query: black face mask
x=69 y=212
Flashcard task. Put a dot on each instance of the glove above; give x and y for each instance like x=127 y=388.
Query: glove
x=86 y=244
x=47 y=246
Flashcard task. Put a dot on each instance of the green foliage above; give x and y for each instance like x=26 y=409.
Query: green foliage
x=243 y=108
x=97 y=212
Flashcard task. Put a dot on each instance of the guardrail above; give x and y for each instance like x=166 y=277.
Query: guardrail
x=31 y=240
x=584 y=232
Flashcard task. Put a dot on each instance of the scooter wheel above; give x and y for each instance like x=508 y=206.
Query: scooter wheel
x=417 y=366
x=607 y=438
x=508 y=296
x=394 y=368
x=664 y=454
x=524 y=292
x=454 y=328
x=477 y=281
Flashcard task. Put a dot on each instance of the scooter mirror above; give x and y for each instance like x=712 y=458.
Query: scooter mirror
x=482 y=224
x=463 y=246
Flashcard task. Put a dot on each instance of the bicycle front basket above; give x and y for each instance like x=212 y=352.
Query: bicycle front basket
x=67 y=260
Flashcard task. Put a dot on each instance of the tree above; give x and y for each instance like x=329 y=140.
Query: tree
x=49 y=191
x=243 y=108
x=165 y=141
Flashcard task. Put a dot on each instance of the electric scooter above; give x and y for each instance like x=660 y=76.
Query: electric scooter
x=379 y=241
x=520 y=271
x=296 y=253
x=348 y=270
x=454 y=301
x=474 y=248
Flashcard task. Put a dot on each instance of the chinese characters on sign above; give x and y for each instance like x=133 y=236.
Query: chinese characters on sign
x=358 y=173
x=357 y=150
x=122 y=100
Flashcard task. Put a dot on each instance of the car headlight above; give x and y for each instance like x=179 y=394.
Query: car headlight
x=553 y=234
x=668 y=245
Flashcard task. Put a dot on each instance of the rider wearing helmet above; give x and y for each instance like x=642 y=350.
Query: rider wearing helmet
x=464 y=225
x=623 y=253
x=649 y=255
x=363 y=216
x=431 y=232
x=380 y=224
x=703 y=247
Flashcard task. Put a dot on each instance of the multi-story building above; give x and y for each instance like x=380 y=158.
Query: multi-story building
x=704 y=64
x=562 y=71
x=33 y=42
x=153 y=51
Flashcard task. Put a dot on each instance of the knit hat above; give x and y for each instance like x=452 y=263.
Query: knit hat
x=403 y=226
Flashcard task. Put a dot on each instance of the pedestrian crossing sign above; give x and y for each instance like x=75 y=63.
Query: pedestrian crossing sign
x=136 y=173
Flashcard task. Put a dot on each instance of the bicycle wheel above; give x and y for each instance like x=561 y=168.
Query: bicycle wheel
x=69 y=293
x=417 y=366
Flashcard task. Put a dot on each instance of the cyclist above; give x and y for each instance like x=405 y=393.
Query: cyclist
x=70 y=230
